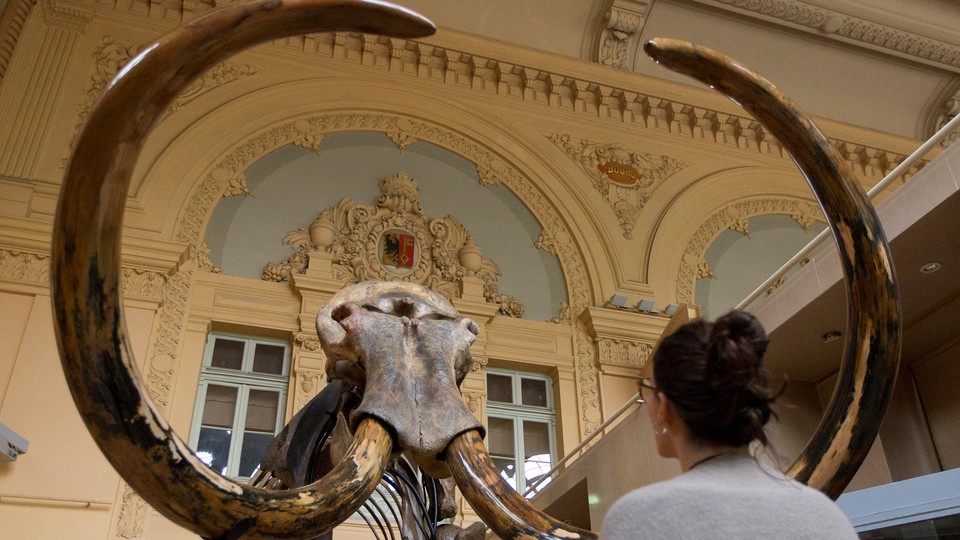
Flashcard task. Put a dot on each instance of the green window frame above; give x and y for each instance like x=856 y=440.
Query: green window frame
x=241 y=399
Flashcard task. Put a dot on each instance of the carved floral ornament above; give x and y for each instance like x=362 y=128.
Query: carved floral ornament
x=394 y=240
x=623 y=178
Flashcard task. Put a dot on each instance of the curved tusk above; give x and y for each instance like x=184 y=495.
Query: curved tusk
x=872 y=351
x=85 y=281
x=499 y=505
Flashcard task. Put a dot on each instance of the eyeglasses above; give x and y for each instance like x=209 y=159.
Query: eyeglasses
x=645 y=382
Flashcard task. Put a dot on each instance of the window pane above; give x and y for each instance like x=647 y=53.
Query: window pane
x=536 y=450
x=213 y=448
x=268 y=359
x=533 y=392
x=254 y=444
x=507 y=470
x=262 y=408
x=536 y=438
x=500 y=437
x=227 y=353
x=499 y=388
x=220 y=406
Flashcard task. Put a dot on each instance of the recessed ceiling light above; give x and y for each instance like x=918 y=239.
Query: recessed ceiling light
x=930 y=268
x=831 y=336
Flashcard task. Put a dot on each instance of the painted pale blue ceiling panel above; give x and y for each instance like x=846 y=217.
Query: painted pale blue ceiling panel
x=292 y=185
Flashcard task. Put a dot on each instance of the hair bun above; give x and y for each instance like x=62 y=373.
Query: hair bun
x=736 y=345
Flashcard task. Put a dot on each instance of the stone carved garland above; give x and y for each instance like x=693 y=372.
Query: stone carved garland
x=623 y=178
x=735 y=217
x=394 y=240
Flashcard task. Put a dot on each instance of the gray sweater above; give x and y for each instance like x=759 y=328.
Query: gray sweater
x=729 y=496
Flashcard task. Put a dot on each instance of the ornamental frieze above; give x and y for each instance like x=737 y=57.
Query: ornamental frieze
x=111 y=56
x=623 y=178
x=394 y=240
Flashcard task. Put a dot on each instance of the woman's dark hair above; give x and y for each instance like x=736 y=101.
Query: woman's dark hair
x=714 y=376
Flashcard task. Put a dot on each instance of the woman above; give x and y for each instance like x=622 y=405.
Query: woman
x=708 y=400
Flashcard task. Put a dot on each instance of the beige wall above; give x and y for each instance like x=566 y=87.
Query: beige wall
x=936 y=380
x=493 y=112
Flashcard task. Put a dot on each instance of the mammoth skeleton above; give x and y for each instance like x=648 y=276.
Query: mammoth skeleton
x=137 y=440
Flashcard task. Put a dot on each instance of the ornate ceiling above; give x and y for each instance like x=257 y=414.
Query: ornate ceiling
x=888 y=65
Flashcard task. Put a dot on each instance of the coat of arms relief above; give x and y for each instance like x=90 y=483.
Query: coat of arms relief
x=394 y=240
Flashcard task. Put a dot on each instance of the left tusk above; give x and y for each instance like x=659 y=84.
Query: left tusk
x=499 y=505
x=85 y=278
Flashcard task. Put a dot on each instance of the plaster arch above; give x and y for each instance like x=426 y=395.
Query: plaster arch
x=274 y=116
x=708 y=207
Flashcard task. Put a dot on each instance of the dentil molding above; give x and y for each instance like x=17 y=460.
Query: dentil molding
x=849 y=28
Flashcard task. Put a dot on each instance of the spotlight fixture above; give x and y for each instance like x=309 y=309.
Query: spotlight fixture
x=618 y=301
x=671 y=309
x=930 y=267
x=830 y=337
x=645 y=306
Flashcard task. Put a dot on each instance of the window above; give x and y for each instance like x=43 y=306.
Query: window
x=240 y=402
x=520 y=426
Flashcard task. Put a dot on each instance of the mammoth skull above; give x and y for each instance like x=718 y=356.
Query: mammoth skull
x=408 y=350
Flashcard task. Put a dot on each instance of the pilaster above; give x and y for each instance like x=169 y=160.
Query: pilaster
x=624 y=340
x=31 y=85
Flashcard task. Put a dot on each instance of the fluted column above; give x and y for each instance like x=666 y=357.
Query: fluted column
x=32 y=84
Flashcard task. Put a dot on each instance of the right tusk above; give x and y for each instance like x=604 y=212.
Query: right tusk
x=499 y=505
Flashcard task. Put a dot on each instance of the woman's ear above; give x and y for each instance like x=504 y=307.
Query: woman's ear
x=666 y=415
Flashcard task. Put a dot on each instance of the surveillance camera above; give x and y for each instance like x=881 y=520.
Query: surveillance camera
x=11 y=444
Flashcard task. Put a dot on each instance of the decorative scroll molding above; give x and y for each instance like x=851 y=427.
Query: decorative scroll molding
x=26 y=267
x=133 y=514
x=624 y=353
x=734 y=216
x=69 y=18
x=895 y=41
x=204 y=263
x=623 y=178
x=11 y=26
x=620 y=35
x=308 y=341
x=565 y=315
x=109 y=58
x=947 y=111
x=479 y=364
x=394 y=240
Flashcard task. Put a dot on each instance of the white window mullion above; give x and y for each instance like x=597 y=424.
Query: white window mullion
x=236 y=440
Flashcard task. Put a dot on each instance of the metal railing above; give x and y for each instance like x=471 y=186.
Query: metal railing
x=904 y=166
x=635 y=400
